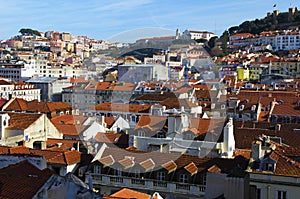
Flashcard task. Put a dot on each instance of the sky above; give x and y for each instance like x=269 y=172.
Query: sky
x=128 y=20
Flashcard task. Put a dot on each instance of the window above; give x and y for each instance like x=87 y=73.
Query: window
x=141 y=133
x=97 y=169
x=137 y=173
x=161 y=176
x=281 y=195
x=269 y=167
x=183 y=178
x=204 y=179
x=258 y=193
x=223 y=106
x=118 y=172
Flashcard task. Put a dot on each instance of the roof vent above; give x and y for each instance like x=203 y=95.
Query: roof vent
x=59 y=144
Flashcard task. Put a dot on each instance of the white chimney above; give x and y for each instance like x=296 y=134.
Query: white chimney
x=4 y=119
x=228 y=140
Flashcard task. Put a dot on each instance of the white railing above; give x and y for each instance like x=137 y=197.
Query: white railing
x=163 y=186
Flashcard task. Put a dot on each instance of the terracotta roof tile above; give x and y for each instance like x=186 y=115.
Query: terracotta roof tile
x=214 y=169
x=22 y=121
x=61 y=144
x=109 y=121
x=170 y=166
x=69 y=119
x=148 y=164
x=172 y=161
x=126 y=193
x=156 y=97
x=22 y=180
x=107 y=160
x=34 y=106
x=191 y=168
x=70 y=129
x=54 y=157
x=114 y=107
x=127 y=163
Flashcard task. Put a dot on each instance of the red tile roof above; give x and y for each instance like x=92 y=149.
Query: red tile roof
x=126 y=193
x=113 y=107
x=172 y=161
x=214 y=169
x=170 y=166
x=107 y=160
x=148 y=164
x=34 y=106
x=69 y=119
x=191 y=168
x=22 y=180
x=61 y=144
x=21 y=121
x=53 y=157
x=70 y=129
x=127 y=163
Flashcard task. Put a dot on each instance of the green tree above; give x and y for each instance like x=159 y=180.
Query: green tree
x=28 y=31
x=212 y=42
x=224 y=39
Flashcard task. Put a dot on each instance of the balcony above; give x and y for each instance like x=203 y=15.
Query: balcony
x=148 y=184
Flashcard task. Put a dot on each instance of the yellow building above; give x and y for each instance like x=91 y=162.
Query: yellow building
x=290 y=68
x=243 y=73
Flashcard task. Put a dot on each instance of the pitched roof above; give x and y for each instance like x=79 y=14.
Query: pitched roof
x=191 y=168
x=171 y=161
x=148 y=164
x=19 y=104
x=170 y=166
x=69 y=119
x=156 y=97
x=107 y=160
x=61 y=144
x=22 y=180
x=114 y=107
x=127 y=162
x=246 y=132
x=70 y=129
x=151 y=124
x=114 y=138
x=126 y=193
x=21 y=121
x=53 y=157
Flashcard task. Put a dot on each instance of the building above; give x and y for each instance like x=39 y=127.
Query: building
x=25 y=180
x=88 y=95
x=172 y=175
x=19 y=89
x=142 y=72
x=51 y=109
x=31 y=130
x=51 y=87
x=192 y=34
x=180 y=134
x=16 y=70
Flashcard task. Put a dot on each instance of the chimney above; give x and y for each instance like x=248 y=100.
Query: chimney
x=182 y=109
x=228 y=140
x=256 y=151
x=4 y=119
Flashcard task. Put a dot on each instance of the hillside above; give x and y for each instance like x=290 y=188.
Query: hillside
x=273 y=21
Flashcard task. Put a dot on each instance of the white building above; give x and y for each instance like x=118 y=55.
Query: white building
x=192 y=34
x=20 y=90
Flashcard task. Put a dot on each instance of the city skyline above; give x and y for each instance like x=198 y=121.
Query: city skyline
x=129 y=20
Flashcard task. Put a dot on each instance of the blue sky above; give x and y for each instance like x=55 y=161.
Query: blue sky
x=128 y=20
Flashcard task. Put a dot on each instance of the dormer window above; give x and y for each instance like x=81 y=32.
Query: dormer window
x=269 y=167
x=253 y=107
x=242 y=107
